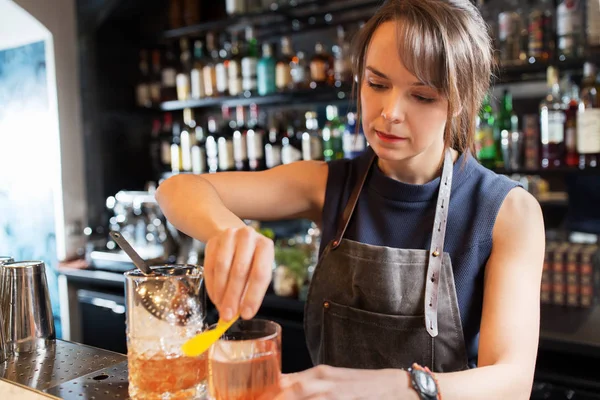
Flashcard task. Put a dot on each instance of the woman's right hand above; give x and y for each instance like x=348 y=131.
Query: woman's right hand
x=238 y=269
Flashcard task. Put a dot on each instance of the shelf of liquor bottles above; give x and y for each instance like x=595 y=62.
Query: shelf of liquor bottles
x=273 y=18
x=320 y=95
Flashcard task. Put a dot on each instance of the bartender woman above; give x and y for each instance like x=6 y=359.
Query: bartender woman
x=429 y=276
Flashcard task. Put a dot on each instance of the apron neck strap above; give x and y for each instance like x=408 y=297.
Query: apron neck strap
x=351 y=204
x=443 y=199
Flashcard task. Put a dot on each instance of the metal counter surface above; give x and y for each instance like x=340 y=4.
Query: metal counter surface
x=70 y=371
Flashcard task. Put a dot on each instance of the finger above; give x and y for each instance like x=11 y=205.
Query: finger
x=238 y=274
x=222 y=265
x=259 y=279
x=209 y=270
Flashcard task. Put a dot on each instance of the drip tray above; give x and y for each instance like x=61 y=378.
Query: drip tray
x=70 y=371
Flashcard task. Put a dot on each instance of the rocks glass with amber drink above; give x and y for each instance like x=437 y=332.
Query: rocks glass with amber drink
x=245 y=364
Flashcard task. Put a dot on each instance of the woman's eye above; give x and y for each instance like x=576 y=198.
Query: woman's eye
x=423 y=99
x=375 y=86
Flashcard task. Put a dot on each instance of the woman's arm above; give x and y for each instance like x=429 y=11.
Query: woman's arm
x=205 y=205
x=511 y=308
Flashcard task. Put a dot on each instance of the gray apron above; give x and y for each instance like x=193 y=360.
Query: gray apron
x=374 y=307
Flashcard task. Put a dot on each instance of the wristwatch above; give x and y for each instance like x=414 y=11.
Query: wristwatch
x=423 y=382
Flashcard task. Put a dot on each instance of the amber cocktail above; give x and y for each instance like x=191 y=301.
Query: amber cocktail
x=157 y=367
x=245 y=364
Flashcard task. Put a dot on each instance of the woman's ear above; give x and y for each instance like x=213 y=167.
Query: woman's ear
x=458 y=112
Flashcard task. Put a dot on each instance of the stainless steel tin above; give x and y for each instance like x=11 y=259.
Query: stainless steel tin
x=27 y=321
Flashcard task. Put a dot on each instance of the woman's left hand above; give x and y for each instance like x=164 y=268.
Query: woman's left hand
x=324 y=382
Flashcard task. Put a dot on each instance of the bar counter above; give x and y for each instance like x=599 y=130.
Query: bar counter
x=66 y=370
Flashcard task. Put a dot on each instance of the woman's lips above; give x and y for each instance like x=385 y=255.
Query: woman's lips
x=389 y=138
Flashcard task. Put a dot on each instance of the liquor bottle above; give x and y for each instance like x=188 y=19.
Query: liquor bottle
x=184 y=71
x=142 y=90
x=196 y=78
x=188 y=139
x=283 y=69
x=240 y=147
x=342 y=68
x=552 y=123
x=291 y=148
x=486 y=147
x=225 y=142
x=169 y=76
x=175 y=14
x=588 y=119
x=273 y=145
x=266 y=71
x=593 y=25
x=234 y=69
x=541 y=32
x=235 y=7
x=199 y=162
x=299 y=71
x=312 y=146
x=221 y=67
x=211 y=146
x=191 y=12
x=354 y=141
x=155 y=78
x=209 y=71
x=176 y=154
x=569 y=27
x=249 y=62
x=506 y=124
x=571 y=104
x=509 y=27
x=333 y=148
x=255 y=140
x=320 y=67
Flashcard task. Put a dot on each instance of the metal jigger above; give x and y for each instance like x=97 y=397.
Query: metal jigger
x=27 y=321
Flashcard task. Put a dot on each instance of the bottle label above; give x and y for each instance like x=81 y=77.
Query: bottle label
x=318 y=71
x=588 y=131
x=298 y=74
x=169 y=77
x=556 y=127
x=290 y=154
x=249 y=72
x=283 y=75
x=568 y=23
x=239 y=147
x=225 y=151
x=155 y=92
x=165 y=152
x=142 y=95
x=210 y=80
x=273 y=155
x=235 y=81
x=222 y=81
x=198 y=160
x=183 y=87
x=255 y=145
x=197 y=84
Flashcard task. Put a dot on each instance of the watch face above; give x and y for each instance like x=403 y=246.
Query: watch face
x=426 y=383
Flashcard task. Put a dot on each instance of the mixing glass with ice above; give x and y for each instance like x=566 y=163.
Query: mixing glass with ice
x=157 y=367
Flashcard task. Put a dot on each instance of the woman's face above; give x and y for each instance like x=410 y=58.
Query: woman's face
x=402 y=118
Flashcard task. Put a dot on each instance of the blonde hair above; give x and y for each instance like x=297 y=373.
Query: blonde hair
x=446 y=45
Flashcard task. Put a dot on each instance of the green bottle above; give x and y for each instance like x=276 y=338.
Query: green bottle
x=484 y=137
x=506 y=123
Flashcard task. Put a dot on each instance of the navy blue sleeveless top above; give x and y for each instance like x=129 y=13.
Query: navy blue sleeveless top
x=395 y=214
